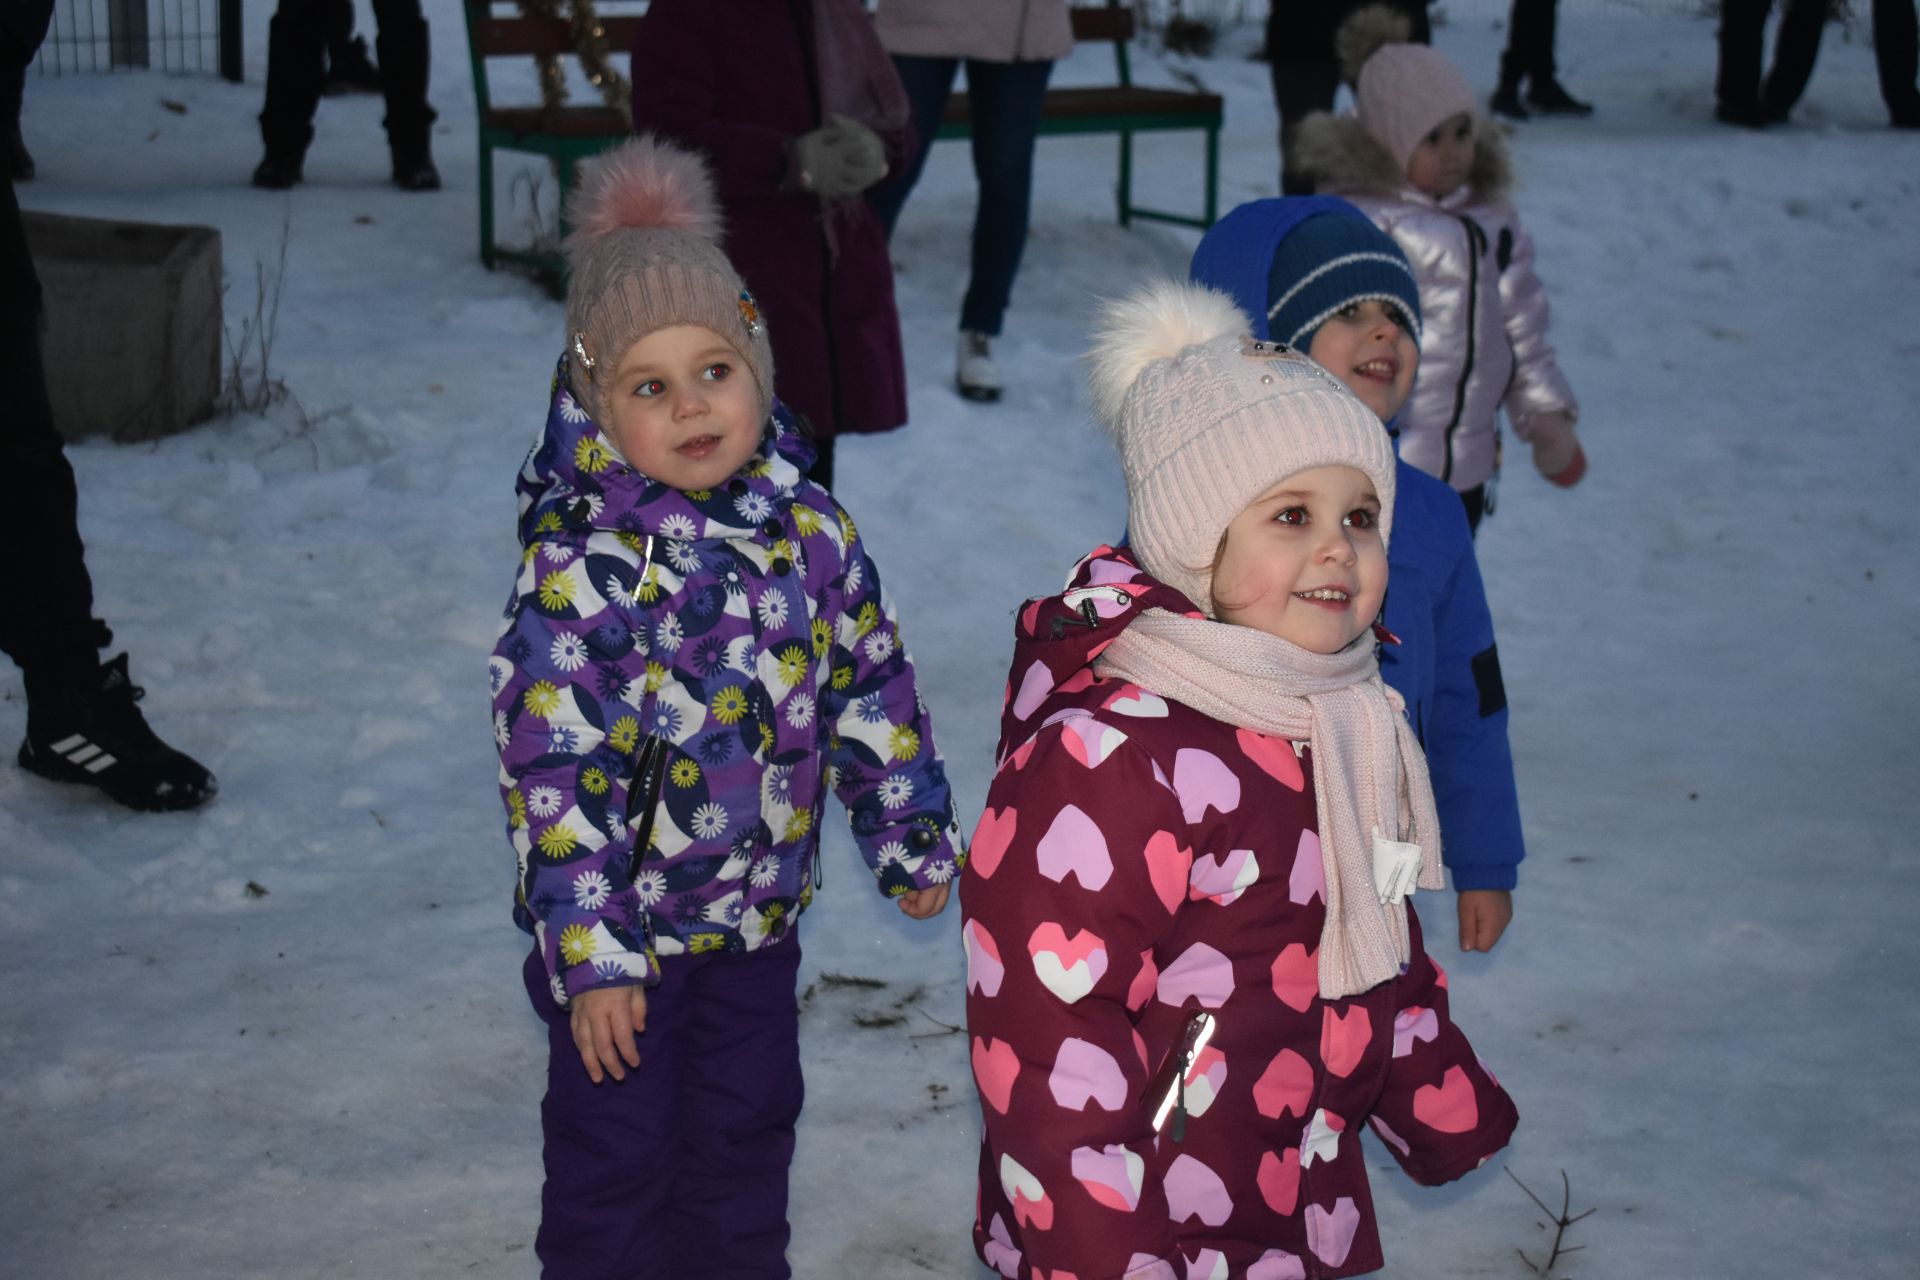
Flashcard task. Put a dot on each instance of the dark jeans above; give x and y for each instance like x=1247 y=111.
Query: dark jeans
x=46 y=597
x=681 y=1169
x=1005 y=99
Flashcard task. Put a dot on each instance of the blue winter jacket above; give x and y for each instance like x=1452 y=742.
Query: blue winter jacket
x=1445 y=665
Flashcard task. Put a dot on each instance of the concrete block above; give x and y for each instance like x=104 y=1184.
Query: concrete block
x=133 y=332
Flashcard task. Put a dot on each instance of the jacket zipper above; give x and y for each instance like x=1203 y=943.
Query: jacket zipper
x=643 y=801
x=1476 y=239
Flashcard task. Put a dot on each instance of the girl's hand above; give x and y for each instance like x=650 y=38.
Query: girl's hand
x=605 y=1022
x=924 y=904
x=1484 y=915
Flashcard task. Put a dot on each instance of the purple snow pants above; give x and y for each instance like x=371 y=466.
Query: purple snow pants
x=681 y=1169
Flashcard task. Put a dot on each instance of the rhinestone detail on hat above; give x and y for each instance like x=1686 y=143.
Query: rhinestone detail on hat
x=750 y=314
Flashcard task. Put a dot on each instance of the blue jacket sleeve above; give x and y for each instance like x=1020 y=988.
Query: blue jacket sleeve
x=1466 y=732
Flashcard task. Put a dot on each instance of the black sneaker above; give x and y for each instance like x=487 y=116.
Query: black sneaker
x=98 y=737
x=1550 y=98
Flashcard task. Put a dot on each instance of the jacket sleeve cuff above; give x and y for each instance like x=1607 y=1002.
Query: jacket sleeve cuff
x=1484 y=877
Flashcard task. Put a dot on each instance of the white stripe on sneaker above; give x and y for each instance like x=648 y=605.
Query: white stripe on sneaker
x=104 y=762
x=67 y=744
x=84 y=754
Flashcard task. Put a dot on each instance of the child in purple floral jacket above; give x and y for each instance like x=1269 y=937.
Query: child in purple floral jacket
x=696 y=650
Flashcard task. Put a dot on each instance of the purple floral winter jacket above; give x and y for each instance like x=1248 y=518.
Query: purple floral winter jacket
x=730 y=650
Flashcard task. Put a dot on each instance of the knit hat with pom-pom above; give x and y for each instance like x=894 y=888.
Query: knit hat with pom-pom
x=644 y=254
x=1206 y=420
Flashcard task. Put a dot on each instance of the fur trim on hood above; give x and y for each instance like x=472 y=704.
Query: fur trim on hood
x=1337 y=155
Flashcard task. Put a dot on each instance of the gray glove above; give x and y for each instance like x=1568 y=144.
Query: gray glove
x=841 y=158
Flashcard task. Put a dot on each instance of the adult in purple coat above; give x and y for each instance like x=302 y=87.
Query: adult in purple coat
x=756 y=85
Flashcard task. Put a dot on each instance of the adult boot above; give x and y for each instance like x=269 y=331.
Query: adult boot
x=296 y=71
x=404 y=52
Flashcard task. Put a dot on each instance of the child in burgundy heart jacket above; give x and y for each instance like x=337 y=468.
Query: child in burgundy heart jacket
x=1193 y=973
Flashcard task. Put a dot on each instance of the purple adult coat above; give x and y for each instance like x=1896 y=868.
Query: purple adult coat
x=740 y=81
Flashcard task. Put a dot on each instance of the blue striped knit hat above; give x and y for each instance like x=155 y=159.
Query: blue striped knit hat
x=1330 y=261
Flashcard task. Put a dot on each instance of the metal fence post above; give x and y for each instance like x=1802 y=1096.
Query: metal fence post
x=230 y=68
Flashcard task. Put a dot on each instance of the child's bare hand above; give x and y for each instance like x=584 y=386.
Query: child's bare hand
x=1484 y=916
x=605 y=1022
x=924 y=904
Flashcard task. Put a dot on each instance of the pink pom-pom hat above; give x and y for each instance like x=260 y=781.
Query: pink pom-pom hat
x=644 y=253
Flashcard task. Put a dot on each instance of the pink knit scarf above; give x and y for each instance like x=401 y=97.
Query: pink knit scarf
x=1369 y=776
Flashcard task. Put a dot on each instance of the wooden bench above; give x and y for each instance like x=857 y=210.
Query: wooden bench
x=1124 y=108
x=565 y=134
x=579 y=130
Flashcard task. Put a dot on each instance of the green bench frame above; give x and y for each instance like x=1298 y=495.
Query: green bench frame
x=569 y=134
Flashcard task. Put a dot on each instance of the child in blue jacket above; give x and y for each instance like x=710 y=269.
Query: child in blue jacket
x=1314 y=273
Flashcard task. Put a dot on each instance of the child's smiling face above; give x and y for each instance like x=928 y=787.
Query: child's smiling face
x=1304 y=561
x=1444 y=158
x=683 y=407
x=1366 y=346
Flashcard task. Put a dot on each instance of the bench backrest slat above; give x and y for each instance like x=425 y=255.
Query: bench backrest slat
x=1112 y=23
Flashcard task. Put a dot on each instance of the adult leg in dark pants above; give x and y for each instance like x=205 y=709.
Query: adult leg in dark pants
x=1740 y=96
x=1895 y=35
x=296 y=76
x=1006 y=100
x=82 y=722
x=1794 y=51
x=928 y=82
x=681 y=1169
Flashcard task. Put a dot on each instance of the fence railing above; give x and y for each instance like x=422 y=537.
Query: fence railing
x=185 y=36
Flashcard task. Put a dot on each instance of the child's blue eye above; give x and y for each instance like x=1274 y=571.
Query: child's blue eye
x=1361 y=519
x=1292 y=516
x=651 y=387
x=718 y=372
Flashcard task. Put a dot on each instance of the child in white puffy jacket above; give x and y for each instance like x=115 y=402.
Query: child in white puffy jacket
x=1422 y=162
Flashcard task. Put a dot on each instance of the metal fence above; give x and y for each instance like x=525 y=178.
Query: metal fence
x=191 y=37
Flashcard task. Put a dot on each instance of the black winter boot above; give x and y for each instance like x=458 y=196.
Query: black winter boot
x=97 y=736
x=404 y=54
x=296 y=70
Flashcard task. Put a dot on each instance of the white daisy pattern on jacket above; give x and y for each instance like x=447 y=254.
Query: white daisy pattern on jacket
x=543 y=802
x=569 y=651
x=679 y=528
x=709 y=821
x=773 y=610
x=895 y=791
x=591 y=890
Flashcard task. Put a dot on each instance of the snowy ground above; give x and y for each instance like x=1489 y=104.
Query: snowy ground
x=1706 y=1000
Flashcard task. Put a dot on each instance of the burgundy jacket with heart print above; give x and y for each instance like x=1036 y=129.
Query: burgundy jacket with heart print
x=1138 y=863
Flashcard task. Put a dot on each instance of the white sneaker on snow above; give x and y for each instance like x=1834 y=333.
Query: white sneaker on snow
x=975 y=375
